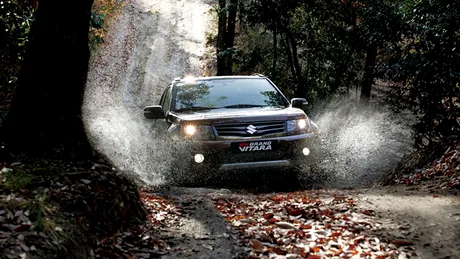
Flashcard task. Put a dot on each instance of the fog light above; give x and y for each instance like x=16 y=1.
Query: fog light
x=306 y=151
x=199 y=158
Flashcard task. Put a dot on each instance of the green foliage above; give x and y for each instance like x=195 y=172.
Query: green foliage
x=102 y=11
x=416 y=43
x=37 y=208
x=41 y=214
x=18 y=179
x=15 y=20
x=429 y=62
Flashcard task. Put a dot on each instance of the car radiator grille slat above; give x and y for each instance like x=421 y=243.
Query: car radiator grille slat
x=241 y=129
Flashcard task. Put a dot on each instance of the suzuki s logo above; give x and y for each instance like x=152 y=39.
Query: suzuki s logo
x=251 y=129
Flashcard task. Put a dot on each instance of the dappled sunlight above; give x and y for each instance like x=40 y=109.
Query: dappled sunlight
x=188 y=20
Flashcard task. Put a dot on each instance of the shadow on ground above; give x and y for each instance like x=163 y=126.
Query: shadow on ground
x=260 y=181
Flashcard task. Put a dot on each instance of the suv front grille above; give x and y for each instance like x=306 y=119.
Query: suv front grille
x=253 y=129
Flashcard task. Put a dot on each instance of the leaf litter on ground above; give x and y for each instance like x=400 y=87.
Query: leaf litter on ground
x=309 y=224
x=445 y=170
x=49 y=207
x=142 y=241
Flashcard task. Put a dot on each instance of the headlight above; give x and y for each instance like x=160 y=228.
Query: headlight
x=302 y=123
x=299 y=126
x=190 y=130
x=199 y=132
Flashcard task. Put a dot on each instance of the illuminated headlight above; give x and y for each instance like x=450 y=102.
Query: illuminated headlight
x=299 y=126
x=200 y=132
x=302 y=123
x=190 y=130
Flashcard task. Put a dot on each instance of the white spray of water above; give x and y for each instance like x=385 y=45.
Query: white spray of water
x=360 y=143
x=149 y=43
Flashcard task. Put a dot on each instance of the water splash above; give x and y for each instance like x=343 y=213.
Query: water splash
x=150 y=43
x=361 y=143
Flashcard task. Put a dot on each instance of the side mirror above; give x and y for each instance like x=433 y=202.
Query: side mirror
x=299 y=103
x=154 y=112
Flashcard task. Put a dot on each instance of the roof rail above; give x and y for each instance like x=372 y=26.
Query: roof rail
x=257 y=74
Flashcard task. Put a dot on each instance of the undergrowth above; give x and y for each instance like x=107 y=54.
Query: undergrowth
x=102 y=12
x=18 y=180
x=58 y=206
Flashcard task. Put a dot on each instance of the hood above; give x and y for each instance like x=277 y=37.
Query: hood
x=223 y=116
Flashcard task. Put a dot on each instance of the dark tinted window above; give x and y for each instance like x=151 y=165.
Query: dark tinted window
x=228 y=93
x=165 y=101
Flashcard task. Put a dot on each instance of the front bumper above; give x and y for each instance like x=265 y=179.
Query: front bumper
x=258 y=164
x=219 y=155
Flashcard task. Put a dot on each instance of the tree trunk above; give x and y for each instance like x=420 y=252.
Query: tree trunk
x=226 y=36
x=230 y=36
x=275 y=51
x=45 y=114
x=231 y=25
x=301 y=90
x=342 y=73
x=289 y=56
x=221 y=34
x=368 y=78
x=309 y=43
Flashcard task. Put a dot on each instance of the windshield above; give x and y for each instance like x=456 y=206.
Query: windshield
x=227 y=93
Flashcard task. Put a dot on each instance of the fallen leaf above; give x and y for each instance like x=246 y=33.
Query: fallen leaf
x=268 y=216
x=256 y=245
x=315 y=249
x=368 y=212
x=24 y=247
x=273 y=220
x=85 y=181
x=279 y=251
x=303 y=226
x=336 y=234
x=294 y=211
x=210 y=247
x=284 y=225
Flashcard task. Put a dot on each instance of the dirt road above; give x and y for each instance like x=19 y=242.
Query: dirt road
x=320 y=223
x=432 y=220
x=153 y=41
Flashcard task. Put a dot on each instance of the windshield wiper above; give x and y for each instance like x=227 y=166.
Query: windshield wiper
x=193 y=108
x=243 y=106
